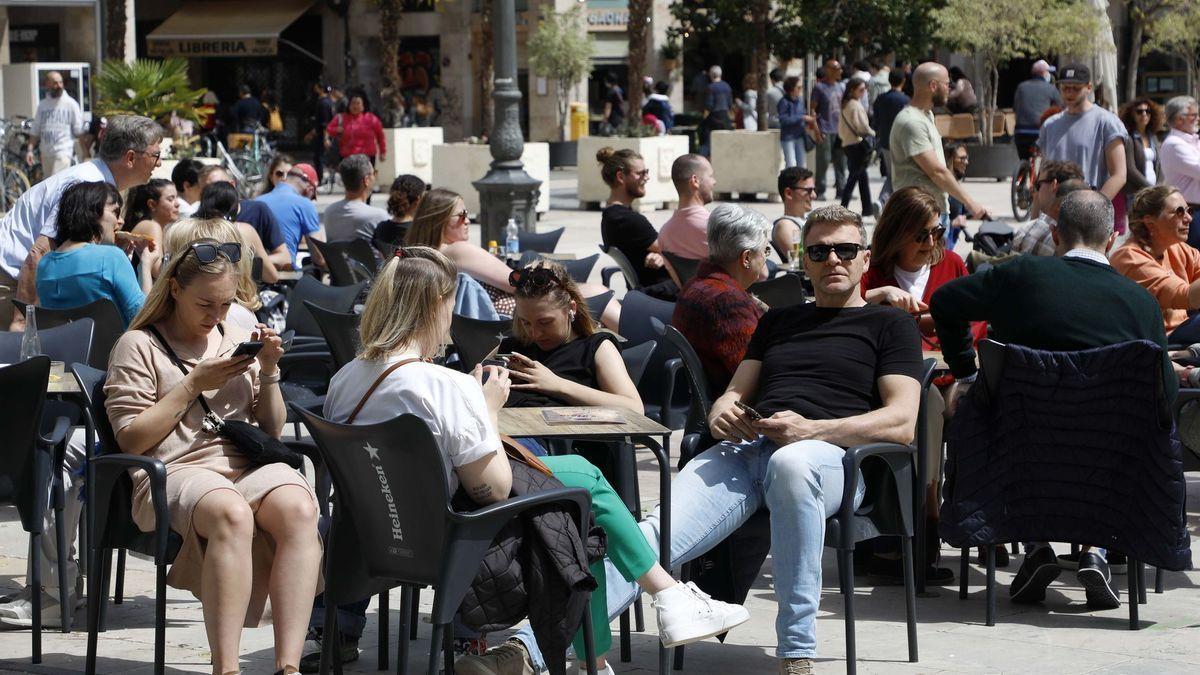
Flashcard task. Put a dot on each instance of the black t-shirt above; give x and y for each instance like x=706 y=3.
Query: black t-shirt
x=825 y=363
x=247 y=114
x=257 y=215
x=616 y=115
x=391 y=232
x=633 y=235
x=574 y=361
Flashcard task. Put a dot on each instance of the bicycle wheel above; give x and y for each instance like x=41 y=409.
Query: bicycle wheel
x=251 y=172
x=15 y=184
x=1021 y=192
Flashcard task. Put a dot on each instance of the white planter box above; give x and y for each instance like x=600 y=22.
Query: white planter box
x=659 y=153
x=409 y=150
x=748 y=162
x=168 y=165
x=457 y=165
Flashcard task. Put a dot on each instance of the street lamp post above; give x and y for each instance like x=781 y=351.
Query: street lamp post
x=506 y=191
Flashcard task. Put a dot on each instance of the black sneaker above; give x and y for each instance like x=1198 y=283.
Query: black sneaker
x=1001 y=552
x=310 y=659
x=1096 y=580
x=1037 y=571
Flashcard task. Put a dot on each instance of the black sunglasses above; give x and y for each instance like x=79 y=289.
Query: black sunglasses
x=1142 y=111
x=207 y=253
x=809 y=190
x=1178 y=211
x=820 y=252
x=936 y=232
x=533 y=277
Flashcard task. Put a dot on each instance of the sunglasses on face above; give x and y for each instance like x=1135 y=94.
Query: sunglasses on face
x=1142 y=111
x=643 y=174
x=153 y=155
x=207 y=253
x=809 y=190
x=279 y=173
x=533 y=277
x=1178 y=212
x=463 y=215
x=844 y=252
x=935 y=232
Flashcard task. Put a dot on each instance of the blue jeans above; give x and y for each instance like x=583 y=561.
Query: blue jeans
x=793 y=152
x=717 y=492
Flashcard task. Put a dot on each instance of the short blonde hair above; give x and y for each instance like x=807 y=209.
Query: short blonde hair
x=189 y=230
x=405 y=299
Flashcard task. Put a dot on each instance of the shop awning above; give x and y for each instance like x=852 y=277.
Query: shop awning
x=225 y=28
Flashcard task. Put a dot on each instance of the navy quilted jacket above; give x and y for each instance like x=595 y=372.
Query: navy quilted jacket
x=1069 y=447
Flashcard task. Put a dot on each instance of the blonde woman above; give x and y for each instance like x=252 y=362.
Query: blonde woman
x=183 y=233
x=249 y=532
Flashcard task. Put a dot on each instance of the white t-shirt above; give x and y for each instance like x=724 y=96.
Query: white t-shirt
x=451 y=403
x=187 y=210
x=1148 y=170
x=36 y=212
x=912 y=282
x=56 y=124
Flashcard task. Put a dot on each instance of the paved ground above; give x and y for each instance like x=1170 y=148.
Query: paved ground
x=1061 y=636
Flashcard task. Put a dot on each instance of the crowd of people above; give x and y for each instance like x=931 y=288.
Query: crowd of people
x=185 y=262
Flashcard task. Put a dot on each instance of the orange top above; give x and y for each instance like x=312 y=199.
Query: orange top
x=1167 y=279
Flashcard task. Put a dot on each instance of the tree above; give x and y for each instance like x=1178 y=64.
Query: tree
x=115 y=23
x=1142 y=15
x=149 y=87
x=638 y=32
x=390 y=12
x=561 y=50
x=998 y=31
x=1177 y=32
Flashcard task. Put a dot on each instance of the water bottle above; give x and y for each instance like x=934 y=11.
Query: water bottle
x=797 y=251
x=31 y=344
x=512 y=240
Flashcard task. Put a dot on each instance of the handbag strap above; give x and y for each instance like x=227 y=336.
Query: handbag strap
x=378 y=381
x=179 y=362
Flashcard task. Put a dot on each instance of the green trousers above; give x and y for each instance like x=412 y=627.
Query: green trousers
x=627 y=547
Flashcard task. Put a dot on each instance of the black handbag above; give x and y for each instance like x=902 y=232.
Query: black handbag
x=257 y=445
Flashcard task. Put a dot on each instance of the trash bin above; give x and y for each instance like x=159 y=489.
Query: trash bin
x=579 y=121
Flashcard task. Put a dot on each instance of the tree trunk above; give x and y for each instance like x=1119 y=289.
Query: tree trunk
x=114 y=30
x=487 y=70
x=762 y=56
x=1135 y=54
x=389 y=70
x=639 y=27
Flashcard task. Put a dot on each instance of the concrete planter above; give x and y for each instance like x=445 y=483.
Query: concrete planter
x=747 y=163
x=410 y=150
x=659 y=152
x=457 y=165
x=992 y=161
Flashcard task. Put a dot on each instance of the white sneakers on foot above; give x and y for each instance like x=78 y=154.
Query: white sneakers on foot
x=687 y=614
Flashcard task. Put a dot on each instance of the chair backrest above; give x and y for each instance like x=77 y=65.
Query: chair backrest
x=340 y=331
x=475 y=339
x=349 y=261
x=685 y=268
x=637 y=309
x=597 y=303
x=333 y=298
x=627 y=269
x=636 y=358
x=542 y=242
x=581 y=268
x=697 y=378
x=24 y=386
x=91 y=382
x=393 y=495
x=69 y=343
x=109 y=326
x=782 y=291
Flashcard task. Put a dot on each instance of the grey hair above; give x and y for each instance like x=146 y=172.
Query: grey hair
x=834 y=214
x=714 y=72
x=128 y=132
x=354 y=170
x=1178 y=105
x=733 y=229
x=1085 y=218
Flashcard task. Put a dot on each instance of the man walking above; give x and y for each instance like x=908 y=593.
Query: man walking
x=718 y=100
x=884 y=111
x=56 y=124
x=774 y=95
x=1180 y=157
x=916 y=146
x=247 y=114
x=1088 y=135
x=322 y=116
x=826 y=105
x=1033 y=97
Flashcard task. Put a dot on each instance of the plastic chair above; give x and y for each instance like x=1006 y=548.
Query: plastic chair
x=109 y=326
x=685 y=268
x=597 y=303
x=30 y=462
x=542 y=242
x=68 y=342
x=333 y=298
x=782 y=291
x=475 y=339
x=391 y=478
x=340 y=331
x=657 y=388
x=349 y=261
x=579 y=270
x=625 y=267
x=701 y=395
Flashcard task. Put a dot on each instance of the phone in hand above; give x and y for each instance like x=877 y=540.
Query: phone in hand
x=750 y=412
x=247 y=348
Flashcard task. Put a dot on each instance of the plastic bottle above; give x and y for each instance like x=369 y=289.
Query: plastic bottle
x=31 y=344
x=512 y=240
x=797 y=251
x=494 y=248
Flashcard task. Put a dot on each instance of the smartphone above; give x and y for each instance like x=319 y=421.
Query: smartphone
x=750 y=412
x=248 y=348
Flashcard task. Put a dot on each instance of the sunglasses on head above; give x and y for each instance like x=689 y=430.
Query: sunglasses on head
x=844 y=252
x=534 y=277
x=207 y=253
x=935 y=232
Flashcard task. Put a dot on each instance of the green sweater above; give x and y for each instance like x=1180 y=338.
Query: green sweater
x=1050 y=303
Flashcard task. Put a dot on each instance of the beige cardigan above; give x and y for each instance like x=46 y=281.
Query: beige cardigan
x=853 y=123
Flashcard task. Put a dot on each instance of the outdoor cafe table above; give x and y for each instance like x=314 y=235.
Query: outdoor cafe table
x=522 y=422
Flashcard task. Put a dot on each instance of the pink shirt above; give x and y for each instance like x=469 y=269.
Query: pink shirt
x=686 y=233
x=358 y=134
x=1180 y=159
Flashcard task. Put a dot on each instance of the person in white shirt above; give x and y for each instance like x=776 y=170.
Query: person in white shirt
x=56 y=124
x=186 y=177
x=129 y=153
x=1180 y=156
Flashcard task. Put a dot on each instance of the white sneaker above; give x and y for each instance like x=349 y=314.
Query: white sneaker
x=18 y=613
x=606 y=670
x=687 y=614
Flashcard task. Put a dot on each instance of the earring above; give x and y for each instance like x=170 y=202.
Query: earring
x=571 y=315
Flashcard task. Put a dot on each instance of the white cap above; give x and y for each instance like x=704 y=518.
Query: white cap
x=1041 y=66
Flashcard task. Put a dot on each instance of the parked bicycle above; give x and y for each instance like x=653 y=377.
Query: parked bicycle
x=251 y=154
x=14 y=170
x=1024 y=184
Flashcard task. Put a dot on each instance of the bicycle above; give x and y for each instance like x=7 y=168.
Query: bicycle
x=1024 y=184
x=251 y=163
x=13 y=169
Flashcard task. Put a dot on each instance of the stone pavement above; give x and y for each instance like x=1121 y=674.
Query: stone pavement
x=1061 y=636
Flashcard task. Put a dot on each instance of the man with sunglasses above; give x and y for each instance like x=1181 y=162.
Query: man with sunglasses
x=820 y=377
x=129 y=153
x=1054 y=177
x=797 y=188
x=1180 y=157
x=291 y=202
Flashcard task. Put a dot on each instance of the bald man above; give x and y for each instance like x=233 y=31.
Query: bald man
x=56 y=124
x=916 y=145
x=1034 y=96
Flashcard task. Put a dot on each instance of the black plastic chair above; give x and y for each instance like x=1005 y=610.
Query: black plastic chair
x=340 y=331
x=391 y=477
x=68 y=342
x=475 y=339
x=625 y=267
x=350 y=261
x=701 y=397
x=782 y=291
x=27 y=464
x=597 y=303
x=663 y=401
x=542 y=242
x=333 y=298
x=579 y=270
x=685 y=268
x=110 y=326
